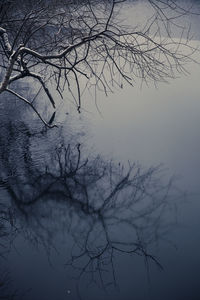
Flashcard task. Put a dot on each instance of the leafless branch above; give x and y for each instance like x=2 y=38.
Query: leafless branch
x=84 y=45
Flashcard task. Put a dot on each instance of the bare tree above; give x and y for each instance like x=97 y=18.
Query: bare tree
x=71 y=45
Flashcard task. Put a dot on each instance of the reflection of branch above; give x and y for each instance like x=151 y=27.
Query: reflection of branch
x=7 y=291
x=8 y=229
x=103 y=198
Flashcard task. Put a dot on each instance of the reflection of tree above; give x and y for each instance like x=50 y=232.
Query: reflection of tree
x=8 y=232
x=108 y=209
x=79 y=44
x=5 y=284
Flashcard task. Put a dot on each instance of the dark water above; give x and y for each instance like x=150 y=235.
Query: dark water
x=107 y=205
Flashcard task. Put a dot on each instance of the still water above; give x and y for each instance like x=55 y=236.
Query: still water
x=107 y=205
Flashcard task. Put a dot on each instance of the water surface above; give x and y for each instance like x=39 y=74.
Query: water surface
x=107 y=205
